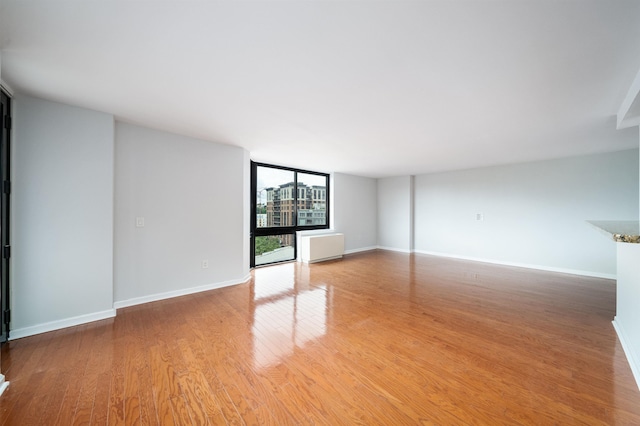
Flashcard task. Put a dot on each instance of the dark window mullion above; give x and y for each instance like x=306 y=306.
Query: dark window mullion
x=253 y=225
x=295 y=199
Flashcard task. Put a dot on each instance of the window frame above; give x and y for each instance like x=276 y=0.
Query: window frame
x=281 y=230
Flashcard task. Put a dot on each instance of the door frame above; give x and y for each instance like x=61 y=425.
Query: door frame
x=5 y=215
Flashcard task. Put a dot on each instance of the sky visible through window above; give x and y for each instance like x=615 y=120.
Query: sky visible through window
x=271 y=178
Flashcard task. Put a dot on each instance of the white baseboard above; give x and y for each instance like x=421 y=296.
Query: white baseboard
x=359 y=250
x=634 y=363
x=176 y=293
x=3 y=385
x=522 y=265
x=393 y=249
x=324 y=259
x=19 y=333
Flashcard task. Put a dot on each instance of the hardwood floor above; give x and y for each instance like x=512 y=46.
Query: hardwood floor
x=376 y=338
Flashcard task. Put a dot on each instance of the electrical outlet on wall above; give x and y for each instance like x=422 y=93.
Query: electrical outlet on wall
x=139 y=222
x=205 y=264
x=479 y=216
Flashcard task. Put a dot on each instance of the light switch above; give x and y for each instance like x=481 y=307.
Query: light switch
x=139 y=222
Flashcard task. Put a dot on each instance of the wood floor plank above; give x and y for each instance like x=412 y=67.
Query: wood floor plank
x=375 y=338
x=82 y=350
x=30 y=371
x=162 y=389
x=194 y=388
x=89 y=387
x=100 y=412
x=229 y=410
x=200 y=406
x=131 y=395
x=181 y=412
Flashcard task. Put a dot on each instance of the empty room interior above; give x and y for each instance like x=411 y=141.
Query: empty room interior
x=320 y=212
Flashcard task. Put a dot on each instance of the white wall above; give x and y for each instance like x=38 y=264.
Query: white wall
x=354 y=211
x=62 y=216
x=627 y=320
x=193 y=197
x=395 y=213
x=246 y=232
x=534 y=213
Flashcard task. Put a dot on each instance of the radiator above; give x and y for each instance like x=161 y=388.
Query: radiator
x=316 y=248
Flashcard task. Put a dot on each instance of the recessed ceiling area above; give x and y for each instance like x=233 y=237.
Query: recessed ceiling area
x=375 y=89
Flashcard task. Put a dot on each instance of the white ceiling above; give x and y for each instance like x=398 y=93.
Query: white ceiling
x=373 y=88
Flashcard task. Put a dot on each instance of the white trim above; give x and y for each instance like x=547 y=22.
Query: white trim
x=522 y=265
x=312 y=232
x=361 y=249
x=3 y=385
x=394 y=249
x=625 y=117
x=176 y=293
x=4 y=86
x=631 y=359
x=19 y=333
x=322 y=260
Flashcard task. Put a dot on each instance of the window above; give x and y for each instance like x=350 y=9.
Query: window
x=283 y=201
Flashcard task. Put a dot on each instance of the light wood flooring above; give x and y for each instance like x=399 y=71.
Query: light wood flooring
x=375 y=338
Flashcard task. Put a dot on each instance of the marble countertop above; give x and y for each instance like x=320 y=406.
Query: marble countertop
x=622 y=231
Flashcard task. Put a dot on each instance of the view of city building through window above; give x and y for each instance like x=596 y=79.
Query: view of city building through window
x=290 y=199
